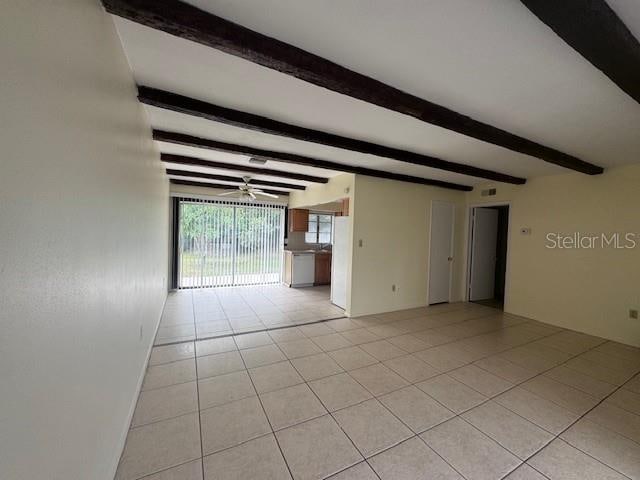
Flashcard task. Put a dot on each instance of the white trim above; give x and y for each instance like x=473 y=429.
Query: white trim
x=132 y=408
x=467 y=271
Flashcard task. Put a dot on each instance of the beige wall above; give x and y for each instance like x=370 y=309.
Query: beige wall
x=586 y=290
x=392 y=220
x=589 y=290
x=340 y=186
x=83 y=241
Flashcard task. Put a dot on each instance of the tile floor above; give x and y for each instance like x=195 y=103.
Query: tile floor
x=457 y=391
x=212 y=312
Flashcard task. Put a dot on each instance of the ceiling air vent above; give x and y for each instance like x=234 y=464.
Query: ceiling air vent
x=489 y=192
x=258 y=161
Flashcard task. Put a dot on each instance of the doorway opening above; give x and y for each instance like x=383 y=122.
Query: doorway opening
x=489 y=233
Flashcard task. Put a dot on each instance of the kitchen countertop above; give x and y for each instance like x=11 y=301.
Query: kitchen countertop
x=321 y=252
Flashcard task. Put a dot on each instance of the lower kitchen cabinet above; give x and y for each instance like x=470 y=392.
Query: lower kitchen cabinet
x=323 y=269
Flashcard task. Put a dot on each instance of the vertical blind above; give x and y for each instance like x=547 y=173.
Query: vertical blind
x=225 y=243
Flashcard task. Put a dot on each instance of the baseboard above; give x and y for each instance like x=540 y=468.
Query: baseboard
x=381 y=312
x=132 y=408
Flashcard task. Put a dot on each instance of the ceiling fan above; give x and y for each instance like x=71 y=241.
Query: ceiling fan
x=247 y=191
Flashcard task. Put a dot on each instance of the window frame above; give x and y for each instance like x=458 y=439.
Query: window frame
x=318 y=232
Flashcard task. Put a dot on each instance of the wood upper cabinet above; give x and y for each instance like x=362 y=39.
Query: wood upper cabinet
x=344 y=210
x=345 y=207
x=298 y=220
x=323 y=269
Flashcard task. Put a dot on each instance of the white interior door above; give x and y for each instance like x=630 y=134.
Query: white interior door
x=441 y=251
x=340 y=253
x=484 y=239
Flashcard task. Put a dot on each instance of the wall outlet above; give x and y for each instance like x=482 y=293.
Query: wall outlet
x=633 y=313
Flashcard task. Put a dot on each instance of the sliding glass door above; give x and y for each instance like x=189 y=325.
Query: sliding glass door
x=225 y=243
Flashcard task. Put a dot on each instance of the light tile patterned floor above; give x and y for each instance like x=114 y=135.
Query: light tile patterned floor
x=195 y=314
x=457 y=391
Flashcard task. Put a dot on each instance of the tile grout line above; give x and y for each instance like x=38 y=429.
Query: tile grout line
x=195 y=339
x=554 y=436
x=557 y=436
x=471 y=363
x=339 y=332
x=195 y=360
x=415 y=435
x=248 y=332
x=251 y=306
x=380 y=362
x=471 y=408
x=601 y=426
x=384 y=322
x=264 y=411
x=148 y=475
x=330 y=413
x=410 y=383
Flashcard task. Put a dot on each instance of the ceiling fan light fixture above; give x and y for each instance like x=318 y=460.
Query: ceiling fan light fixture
x=247 y=191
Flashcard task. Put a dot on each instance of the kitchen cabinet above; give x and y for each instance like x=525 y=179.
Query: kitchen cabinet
x=345 y=207
x=323 y=268
x=298 y=220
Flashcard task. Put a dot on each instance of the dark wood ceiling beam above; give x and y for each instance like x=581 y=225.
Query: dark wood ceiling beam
x=284 y=157
x=594 y=30
x=220 y=186
x=225 y=178
x=190 y=23
x=257 y=123
x=185 y=160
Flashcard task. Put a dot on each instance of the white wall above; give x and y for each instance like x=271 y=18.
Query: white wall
x=83 y=241
x=589 y=290
x=392 y=219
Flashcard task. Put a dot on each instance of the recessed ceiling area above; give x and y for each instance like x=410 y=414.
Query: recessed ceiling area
x=494 y=61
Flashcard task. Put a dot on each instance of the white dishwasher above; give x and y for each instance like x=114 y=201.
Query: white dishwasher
x=303 y=269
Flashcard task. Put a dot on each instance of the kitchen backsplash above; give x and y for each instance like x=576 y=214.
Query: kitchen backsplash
x=296 y=242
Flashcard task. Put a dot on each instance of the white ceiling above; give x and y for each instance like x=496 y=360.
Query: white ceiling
x=231 y=185
x=257 y=178
x=229 y=173
x=240 y=160
x=492 y=60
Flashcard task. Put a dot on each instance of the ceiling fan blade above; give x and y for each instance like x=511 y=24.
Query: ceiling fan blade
x=271 y=195
x=229 y=192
